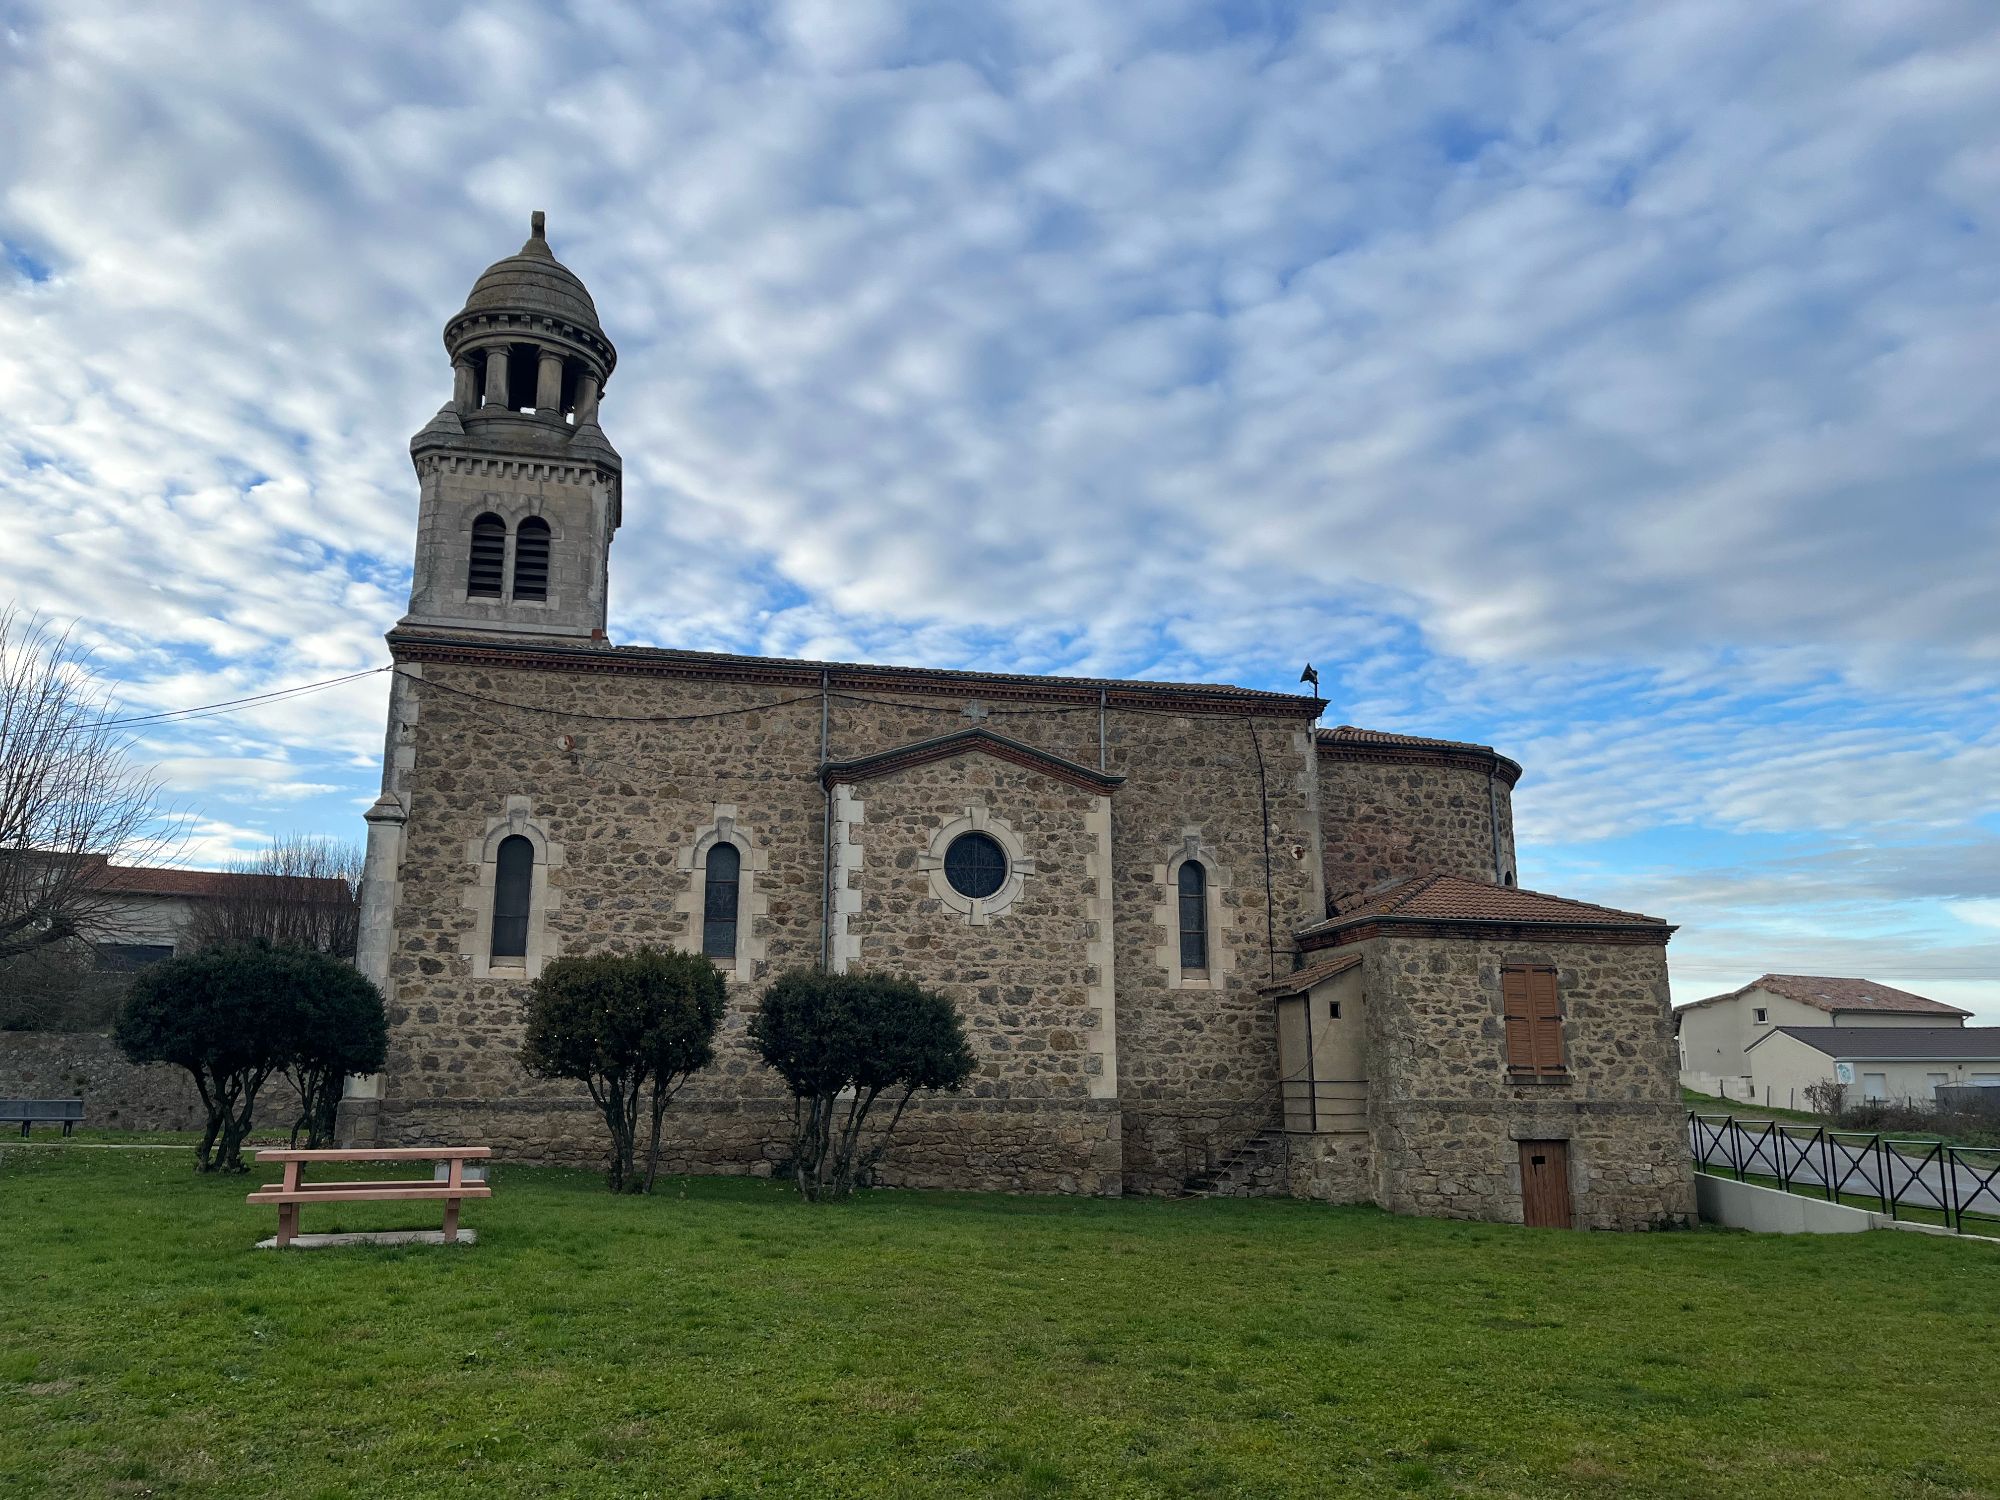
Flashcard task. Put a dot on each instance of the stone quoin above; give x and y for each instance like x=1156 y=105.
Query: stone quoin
x=1197 y=941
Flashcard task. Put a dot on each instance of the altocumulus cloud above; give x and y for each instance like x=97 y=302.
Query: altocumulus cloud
x=1611 y=382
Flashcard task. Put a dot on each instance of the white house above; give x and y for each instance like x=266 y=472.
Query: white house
x=1716 y=1034
x=1903 y=1064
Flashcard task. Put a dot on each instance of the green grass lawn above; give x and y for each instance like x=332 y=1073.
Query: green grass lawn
x=1710 y=1104
x=721 y=1338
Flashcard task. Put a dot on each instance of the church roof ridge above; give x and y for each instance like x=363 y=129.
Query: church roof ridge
x=883 y=676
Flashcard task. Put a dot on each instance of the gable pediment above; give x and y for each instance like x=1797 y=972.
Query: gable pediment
x=965 y=742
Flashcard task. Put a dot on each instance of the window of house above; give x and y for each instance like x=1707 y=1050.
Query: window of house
x=1760 y=1015
x=531 y=559
x=722 y=879
x=513 y=887
x=1194 y=917
x=1875 y=1086
x=975 y=865
x=1533 y=1020
x=124 y=958
x=489 y=557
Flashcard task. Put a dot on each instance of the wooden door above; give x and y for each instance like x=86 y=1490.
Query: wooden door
x=1545 y=1185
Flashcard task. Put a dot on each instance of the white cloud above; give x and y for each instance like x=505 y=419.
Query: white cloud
x=1610 y=382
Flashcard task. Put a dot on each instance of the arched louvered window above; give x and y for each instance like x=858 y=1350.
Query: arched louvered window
x=718 y=903
x=489 y=557
x=513 y=887
x=531 y=559
x=1194 y=917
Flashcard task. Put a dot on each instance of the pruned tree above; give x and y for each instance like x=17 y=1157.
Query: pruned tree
x=841 y=1042
x=619 y=1023
x=301 y=892
x=235 y=1015
x=71 y=796
x=338 y=1027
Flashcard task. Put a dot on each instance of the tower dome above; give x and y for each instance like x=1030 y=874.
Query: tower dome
x=527 y=290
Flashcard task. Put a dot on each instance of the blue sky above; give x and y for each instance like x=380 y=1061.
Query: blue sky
x=1614 y=384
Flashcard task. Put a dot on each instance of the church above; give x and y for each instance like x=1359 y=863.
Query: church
x=1199 y=942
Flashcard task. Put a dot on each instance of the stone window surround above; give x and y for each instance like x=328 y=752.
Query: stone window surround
x=977 y=910
x=544 y=899
x=1167 y=913
x=512 y=511
x=725 y=826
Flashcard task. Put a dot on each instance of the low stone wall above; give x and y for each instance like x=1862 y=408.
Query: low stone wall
x=116 y=1094
x=1333 y=1168
x=1460 y=1159
x=990 y=1145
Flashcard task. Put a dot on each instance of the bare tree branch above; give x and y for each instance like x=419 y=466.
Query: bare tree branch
x=301 y=892
x=71 y=797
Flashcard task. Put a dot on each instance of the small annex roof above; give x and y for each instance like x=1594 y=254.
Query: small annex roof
x=1836 y=996
x=964 y=742
x=1351 y=742
x=1443 y=901
x=1894 y=1043
x=1305 y=977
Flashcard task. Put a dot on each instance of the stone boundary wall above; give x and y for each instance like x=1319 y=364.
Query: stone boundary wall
x=116 y=1094
x=985 y=1145
x=1332 y=1168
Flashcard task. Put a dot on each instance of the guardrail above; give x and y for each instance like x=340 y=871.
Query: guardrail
x=1956 y=1182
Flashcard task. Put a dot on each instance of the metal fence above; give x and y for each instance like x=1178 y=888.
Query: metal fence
x=1959 y=1183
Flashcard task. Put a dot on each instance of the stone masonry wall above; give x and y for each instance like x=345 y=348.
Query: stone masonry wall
x=1389 y=821
x=1446 y=1117
x=117 y=1094
x=1193 y=1066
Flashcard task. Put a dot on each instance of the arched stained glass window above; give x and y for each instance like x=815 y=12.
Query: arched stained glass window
x=531 y=559
x=724 y=876
x=513 y=889
x=975 y=865
x=489 y=557
x=1194 y=917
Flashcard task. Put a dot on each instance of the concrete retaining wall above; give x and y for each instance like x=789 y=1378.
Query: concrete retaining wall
x=1743 y=1205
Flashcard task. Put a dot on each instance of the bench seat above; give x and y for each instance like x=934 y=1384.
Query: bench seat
x=364 y=1192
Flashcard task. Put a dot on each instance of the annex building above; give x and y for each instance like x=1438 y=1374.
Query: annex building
x=1196 y=938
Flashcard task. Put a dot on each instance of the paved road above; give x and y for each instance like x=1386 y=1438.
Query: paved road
x=1854 y=1165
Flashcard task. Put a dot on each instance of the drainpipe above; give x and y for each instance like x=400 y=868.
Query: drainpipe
x=826 y=835
x=1493 y=821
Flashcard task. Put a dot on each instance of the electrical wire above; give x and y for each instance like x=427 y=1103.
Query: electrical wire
x=230 y=705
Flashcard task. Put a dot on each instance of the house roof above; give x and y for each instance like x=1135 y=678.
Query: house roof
x=1837 y=996
x=1351 y=742
x=1447 y=900
x=1304 y=978
x=1894 y=1043
x=154 y=880
x=966 y=741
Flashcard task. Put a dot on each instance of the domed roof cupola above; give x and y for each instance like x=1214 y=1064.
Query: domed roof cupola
x=529 y=360
x=532 y=287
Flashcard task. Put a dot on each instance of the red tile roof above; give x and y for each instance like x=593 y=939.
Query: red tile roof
x=1451 y=898
x=1351 y=742
x=1300 y=980
x=1835 y=996
x=153 y=880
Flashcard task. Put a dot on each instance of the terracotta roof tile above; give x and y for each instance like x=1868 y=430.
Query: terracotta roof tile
x=1450 y=898
x=1350 y=741
x=1303 y=979
x=152 y=880
x=1835 y=995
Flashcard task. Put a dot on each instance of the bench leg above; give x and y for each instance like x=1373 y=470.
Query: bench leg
x=288 y=1223
x=68 y=1125
x=24 y=1130
x=450 y=1221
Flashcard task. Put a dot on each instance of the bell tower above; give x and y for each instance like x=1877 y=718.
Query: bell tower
x=519 y=490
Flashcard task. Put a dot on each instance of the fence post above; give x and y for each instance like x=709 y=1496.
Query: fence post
x=1882 y=1184
x=1826 y=1163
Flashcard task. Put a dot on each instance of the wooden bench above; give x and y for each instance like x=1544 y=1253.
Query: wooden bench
x=29 y=1112
x=294 y=1193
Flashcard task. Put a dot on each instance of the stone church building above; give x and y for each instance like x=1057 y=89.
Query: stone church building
x=1197 y=940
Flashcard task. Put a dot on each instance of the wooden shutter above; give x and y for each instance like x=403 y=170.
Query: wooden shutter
x=1547 y=1013
x=1532 y=1012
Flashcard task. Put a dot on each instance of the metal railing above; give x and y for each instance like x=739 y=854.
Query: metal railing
x=1305 y=1101
x=1955 y=1182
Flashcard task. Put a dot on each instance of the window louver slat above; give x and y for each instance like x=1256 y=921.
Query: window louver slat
x=489 y=557
x=531 y=559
